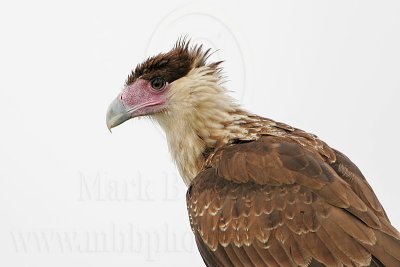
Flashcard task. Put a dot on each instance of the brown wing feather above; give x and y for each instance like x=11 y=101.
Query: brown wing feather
x=274 y=202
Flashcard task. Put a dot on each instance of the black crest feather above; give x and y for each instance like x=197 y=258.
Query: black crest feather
x=174 y=64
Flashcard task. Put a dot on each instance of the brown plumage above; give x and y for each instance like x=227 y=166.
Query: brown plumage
x=277 y=201
x=261 y=193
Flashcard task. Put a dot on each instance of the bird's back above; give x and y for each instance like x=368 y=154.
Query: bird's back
x=286 y=198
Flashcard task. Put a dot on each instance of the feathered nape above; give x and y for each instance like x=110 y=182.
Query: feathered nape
x=198 y=118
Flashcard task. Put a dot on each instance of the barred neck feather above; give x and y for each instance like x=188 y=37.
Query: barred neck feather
x=200 y=116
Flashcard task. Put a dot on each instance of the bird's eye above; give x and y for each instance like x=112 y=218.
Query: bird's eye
x=157 y=83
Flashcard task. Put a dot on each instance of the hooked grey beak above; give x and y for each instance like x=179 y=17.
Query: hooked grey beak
x=116 y=114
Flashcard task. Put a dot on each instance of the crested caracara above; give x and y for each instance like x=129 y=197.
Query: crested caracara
x=260 y=192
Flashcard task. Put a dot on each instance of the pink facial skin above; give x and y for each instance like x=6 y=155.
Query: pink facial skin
x=139 y=98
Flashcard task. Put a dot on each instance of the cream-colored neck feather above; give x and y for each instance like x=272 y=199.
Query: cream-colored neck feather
x=199 y=115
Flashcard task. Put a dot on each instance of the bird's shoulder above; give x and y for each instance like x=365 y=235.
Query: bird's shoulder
x=282 y=155
x=283 y=191
x=278 y=154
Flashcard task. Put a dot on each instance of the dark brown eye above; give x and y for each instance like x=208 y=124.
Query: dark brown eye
x=157 y=83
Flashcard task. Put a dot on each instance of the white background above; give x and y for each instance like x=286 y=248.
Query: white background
x=72 y=194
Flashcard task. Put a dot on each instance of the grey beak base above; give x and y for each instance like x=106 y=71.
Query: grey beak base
x=116 y=114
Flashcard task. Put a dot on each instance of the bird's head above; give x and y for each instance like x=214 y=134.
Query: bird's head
x=162 y=83
x=183 y=93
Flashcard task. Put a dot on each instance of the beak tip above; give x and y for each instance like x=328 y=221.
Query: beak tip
x=116 y=114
